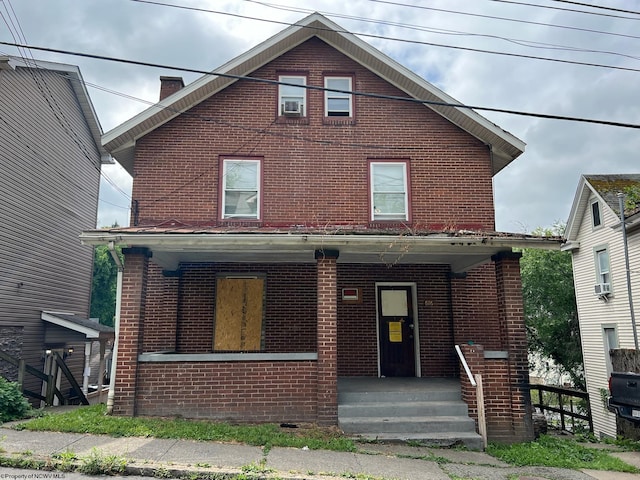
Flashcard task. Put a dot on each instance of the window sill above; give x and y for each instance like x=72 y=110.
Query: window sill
x=225 y=357
x=338 y=121
x=292 y=120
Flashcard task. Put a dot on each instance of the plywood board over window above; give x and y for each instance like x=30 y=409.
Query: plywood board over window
x=239 y=312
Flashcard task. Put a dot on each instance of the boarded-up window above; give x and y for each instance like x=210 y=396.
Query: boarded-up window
x=239 y=303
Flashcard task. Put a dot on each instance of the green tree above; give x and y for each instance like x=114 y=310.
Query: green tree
x=550 y=310
x=103 y=288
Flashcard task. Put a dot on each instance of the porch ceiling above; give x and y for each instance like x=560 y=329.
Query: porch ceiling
x=461 y=251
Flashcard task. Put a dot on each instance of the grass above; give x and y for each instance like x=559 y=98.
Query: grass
x=551 y=451
x=92 y=419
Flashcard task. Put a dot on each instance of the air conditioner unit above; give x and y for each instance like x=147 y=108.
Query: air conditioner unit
x=602 y=289
x=292 y=107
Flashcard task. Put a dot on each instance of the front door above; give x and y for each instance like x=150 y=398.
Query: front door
x=396 y=327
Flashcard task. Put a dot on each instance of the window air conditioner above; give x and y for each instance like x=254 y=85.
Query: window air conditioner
x=292 y=107
x=602 y=289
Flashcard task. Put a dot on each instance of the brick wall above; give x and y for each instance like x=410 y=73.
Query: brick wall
x=357 y=338
x=248 y=392
x=290 y=306
x=308 y=181
x=475 y=309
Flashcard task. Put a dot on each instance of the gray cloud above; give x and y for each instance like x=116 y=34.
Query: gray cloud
x=535 y=190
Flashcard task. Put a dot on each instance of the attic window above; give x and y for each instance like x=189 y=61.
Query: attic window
x=338 y=103
x=292 y=99
x=595 y=214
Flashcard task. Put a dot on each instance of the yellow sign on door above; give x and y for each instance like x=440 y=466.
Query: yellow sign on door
x=395 y=332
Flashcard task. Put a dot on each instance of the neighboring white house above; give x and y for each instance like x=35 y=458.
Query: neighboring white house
x=595 y=238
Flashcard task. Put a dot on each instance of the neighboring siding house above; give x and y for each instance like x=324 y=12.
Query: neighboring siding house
x=595 y=239
x=49 y=180
x=287 y=242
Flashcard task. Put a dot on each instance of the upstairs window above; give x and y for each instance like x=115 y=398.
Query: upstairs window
x=389 y=191
x=292 y=98
x=241 y=188
x=602 y=266
x=338 y=104
x=595 y=214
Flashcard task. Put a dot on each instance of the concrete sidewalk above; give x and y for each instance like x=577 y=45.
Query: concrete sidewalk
x=158 y=457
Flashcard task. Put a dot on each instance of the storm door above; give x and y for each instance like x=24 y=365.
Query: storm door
x=396 y=331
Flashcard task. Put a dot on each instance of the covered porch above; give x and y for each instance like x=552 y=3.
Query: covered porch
x=322 y=317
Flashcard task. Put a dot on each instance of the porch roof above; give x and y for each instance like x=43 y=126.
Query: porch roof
x=175 y=244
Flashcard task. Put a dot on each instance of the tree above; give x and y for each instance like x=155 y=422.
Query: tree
x=103 y=288
x=550 y=309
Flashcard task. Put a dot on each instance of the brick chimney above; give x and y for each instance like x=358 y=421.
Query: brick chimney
x=169 y=86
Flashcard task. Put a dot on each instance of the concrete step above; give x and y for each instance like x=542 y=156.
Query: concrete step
x=470 y=440
x=424 y=424
x=440 y=395
x=403 y=409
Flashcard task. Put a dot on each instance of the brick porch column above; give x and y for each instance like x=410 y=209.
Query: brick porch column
x=134 y=287
x=511 y=315
x=327 y=277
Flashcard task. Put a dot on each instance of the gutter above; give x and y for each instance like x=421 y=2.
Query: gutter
x=114 y=352
x=231 y=241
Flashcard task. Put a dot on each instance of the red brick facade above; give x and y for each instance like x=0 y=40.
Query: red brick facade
x=315 y=173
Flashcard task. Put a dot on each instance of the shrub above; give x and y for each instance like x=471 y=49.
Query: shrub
x=13 y=406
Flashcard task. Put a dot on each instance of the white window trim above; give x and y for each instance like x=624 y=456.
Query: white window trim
x=596 y=259
x=328 y=95
x=225 y=162
x=406 y=191
x=593 y=220
x=281 y=97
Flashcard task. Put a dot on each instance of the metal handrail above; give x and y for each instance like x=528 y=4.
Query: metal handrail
x=465 y=365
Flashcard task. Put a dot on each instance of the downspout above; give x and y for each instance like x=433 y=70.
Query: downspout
x=114 y=351
x=626 y=262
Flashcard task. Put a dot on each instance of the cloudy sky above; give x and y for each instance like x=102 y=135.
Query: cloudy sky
x=434 y=38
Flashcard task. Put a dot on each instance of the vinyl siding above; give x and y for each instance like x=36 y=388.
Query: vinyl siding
x=595 y=313
x=49 y=181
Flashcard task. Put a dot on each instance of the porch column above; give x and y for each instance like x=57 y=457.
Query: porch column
x=511 y=316
x=327 y=276
x=134 y=289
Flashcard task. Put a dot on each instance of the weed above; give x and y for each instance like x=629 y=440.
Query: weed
x=162 y=472
x=92 y=419
x=554 y=452
x=98 y=464
x=203 y=465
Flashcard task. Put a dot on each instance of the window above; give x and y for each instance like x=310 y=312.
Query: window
x=602 y=266
x=239 y=314
x=292 y=99
x=338 y=104
x=595 y=214
x=241 y=188
x=389 y=191
x=610 y=339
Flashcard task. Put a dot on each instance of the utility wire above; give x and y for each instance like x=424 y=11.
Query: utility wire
x=492 y=17
x=440 y=31
x=310 y=87
x=574 y=10
x=598 y=6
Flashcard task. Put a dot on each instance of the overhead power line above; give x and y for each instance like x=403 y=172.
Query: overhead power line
x=598 y=6
x=575 y=10
x=311 y=87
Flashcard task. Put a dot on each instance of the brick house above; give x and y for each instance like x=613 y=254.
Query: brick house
x=289 y=235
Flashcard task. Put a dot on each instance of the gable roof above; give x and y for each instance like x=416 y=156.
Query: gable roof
x=120 y=141
x=72 y=73
x=606 y=189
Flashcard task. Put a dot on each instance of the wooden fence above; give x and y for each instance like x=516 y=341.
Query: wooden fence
x=51 y=390
x=567 y=403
